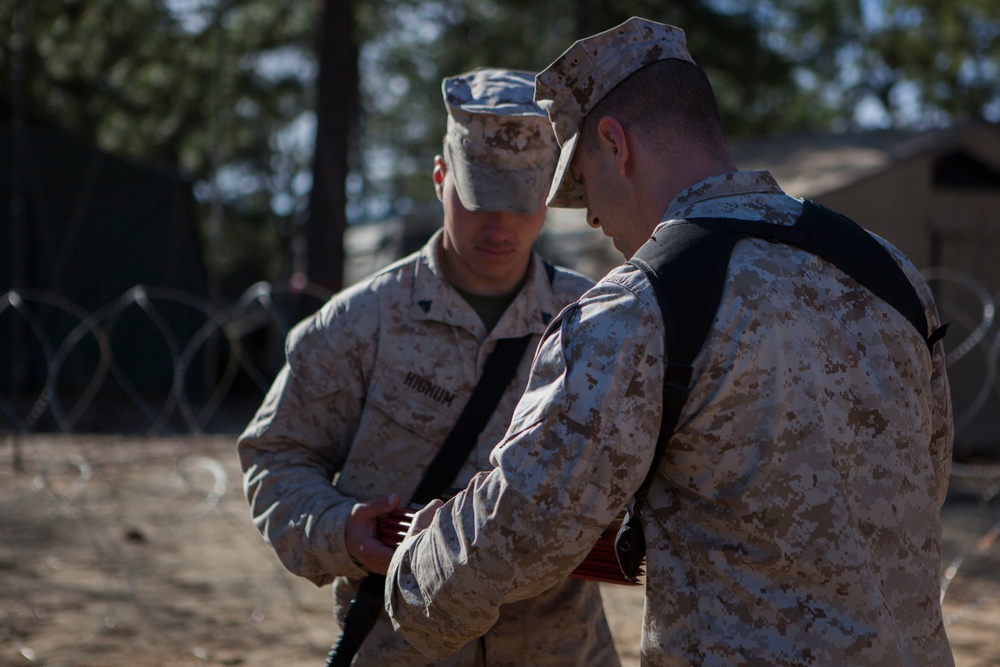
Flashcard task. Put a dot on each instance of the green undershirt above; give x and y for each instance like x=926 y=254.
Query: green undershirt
x=490 y=308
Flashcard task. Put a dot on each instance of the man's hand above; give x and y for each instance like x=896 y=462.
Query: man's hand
x=361 y=533
x=423 y=518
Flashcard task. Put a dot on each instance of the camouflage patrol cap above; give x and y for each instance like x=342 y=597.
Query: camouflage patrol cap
x=500 y=147
x=578 y=79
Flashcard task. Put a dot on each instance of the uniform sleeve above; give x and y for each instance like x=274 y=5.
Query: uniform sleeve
x=580 y=442
x=296 y=444
x=942 y=439
x=943 y=433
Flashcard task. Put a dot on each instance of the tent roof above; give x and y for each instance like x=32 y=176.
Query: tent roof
x=810 y=165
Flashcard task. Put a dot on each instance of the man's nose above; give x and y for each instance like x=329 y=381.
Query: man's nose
x=498 y=223
x=593 y=220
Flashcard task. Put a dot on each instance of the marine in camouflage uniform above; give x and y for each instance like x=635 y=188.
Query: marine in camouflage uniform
x=795 y=517
x=376 y=379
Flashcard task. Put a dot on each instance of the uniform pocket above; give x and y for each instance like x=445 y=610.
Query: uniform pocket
x=400 y=431
x=416 y=404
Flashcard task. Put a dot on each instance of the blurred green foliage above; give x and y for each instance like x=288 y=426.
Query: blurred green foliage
x=209 y=89
x=222 y=90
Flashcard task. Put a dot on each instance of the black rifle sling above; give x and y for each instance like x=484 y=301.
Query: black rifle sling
x=358 y=621
x=498 y=372
x=687 y=266
x=681 y=265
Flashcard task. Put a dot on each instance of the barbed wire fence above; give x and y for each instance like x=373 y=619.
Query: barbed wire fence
x=228 y=355
x=211 y=359
x=84 y=363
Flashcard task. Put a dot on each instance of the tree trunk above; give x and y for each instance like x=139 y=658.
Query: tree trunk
x=336 y=121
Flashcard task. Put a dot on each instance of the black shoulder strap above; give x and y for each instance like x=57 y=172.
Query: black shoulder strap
x=358 y=621
x=681 y=264
x=687 y=264
x=840 y=241
x=692 y=254
x=497 y=374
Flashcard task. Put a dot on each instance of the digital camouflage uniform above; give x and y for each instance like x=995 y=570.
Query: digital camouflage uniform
x=373 y=384
x=795 y=517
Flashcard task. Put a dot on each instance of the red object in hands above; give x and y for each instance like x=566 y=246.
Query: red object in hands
x=601 y=564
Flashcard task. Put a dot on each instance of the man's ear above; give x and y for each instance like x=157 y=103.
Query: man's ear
x=611 y=136
x=440 y=169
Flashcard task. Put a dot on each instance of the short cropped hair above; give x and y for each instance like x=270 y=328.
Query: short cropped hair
x=663 y=101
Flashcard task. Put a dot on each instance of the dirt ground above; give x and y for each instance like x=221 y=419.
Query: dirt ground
x=131 y=551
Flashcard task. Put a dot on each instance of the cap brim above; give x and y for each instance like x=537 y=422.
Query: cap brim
x=566 y=191
x=482 y=188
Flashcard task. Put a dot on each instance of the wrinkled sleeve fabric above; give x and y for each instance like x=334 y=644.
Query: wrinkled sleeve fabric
x=942 y=439
x=943 y=428
x=578 y=446
x=298 y=441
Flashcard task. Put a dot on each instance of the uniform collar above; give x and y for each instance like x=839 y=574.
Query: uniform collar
x=434 y=299
x=735 y=183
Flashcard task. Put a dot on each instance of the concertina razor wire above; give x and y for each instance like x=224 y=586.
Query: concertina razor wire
x=215 y=337
x=215 y=344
